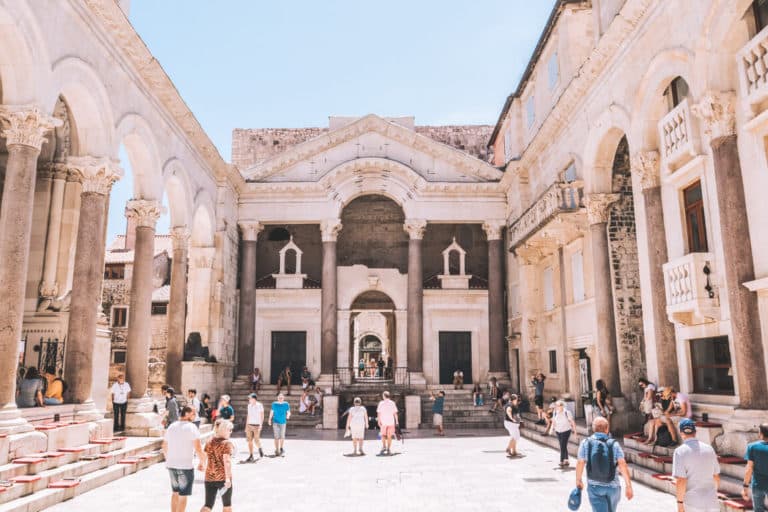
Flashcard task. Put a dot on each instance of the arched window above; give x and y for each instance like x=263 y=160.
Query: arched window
x=676 y=92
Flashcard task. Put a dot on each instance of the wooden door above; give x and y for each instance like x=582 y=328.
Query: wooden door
x=455 y=354
x=289 y=348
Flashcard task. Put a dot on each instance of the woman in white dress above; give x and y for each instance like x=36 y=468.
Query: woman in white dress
x=357 y=421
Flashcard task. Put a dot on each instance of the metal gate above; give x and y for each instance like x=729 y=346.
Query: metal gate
x=50 y=354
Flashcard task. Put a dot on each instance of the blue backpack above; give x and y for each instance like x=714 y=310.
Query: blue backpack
x=600 y=460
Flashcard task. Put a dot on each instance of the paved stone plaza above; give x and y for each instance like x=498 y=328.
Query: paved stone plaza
x=427 y=474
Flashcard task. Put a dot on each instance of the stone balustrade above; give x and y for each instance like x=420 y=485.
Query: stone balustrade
x=678 y=140
x=753 y=69
x=559 y=198
x=691 y=294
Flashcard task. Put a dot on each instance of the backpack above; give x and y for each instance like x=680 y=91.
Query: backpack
x=600 y=460
x=664 y=437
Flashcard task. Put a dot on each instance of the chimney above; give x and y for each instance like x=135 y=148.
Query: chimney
x=130 y=232
x=125 y=6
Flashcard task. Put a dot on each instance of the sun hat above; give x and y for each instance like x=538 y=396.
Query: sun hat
x=574 y=499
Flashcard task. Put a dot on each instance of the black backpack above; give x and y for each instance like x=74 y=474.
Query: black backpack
x=600 y=462
x=664 y=437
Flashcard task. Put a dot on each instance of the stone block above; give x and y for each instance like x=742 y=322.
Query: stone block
x=412 y=412
x=26 y=443
x=331 y=412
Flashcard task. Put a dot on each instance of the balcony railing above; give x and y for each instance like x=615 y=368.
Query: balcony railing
x=691 y=295
x=678 y=140
x=398 y=377
x=753 y=69
x=560 y=197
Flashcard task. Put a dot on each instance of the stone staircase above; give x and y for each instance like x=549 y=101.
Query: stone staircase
x=652 y=465
x=240 y=390
x=459 y=411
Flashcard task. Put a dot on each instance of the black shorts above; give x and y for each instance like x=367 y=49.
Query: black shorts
x=539 y=401
x=211 y=490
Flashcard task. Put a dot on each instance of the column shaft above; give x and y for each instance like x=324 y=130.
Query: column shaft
x=49 y=286
x=177 y=310
x=496 y=306
x=247 y=309
x=328 y=300
x=415 y=307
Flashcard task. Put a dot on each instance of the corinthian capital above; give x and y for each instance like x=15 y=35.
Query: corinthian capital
x=494 y=229
x=598 y=206
x=96 y=174
x=415 y=228
x=646 y=165
x=145 y=212
x=717 y=112
x=26 y=126
x=180 y=238
x=329 y=229
x=250 y=229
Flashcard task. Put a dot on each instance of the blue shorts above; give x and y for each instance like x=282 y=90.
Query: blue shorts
x=182 y=480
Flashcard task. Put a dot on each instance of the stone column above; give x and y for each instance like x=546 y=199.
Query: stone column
x=415 y=229
x=49 y=287
x=246 y=324
x=646 y=166
x=24 y=130
x=329 y=229
x=598 y=209
x=139 y=337
x=494 y=231
x=96 y=176
x=717 y=112
x=177 y=307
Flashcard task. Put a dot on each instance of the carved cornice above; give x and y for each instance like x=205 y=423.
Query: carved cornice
x=415 y=228
x=250 y=230
x=717 y=113
x=96 y=174
x=647 y=166
x=329 y=229
x=180 y=238
x=599 y=207
x=25 y=126
x=494 y=229
x=144 y=211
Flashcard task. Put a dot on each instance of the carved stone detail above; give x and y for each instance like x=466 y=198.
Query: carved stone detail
x=146 y=212
x=558 y=198
x=494 y=229
x=329 y=229
x=96 y=174
x=250 y=230
x=717 y=112
x=646 y=164
x=415 y=228
x=599 y=207
x=26 y=126
x=180 y=238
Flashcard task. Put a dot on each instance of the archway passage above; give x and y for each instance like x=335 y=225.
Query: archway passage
x=372 y=336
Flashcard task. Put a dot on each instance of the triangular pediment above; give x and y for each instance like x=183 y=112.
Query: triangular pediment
x=372 y=137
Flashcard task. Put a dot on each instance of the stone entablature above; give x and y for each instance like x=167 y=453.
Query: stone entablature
x=560 y=198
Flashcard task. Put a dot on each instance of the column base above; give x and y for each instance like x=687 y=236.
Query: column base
x=417 y=379
x=87 y=411
x=626 y=418
x=325 y=381
x=141 y=420
x=12 y=422
x=412 y=412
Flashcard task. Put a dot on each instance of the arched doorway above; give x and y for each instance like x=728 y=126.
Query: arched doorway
x=372 y=336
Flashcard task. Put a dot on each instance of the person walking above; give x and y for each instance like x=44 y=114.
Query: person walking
x=602 y=404
x=194 y=403
x=171 y=407
x=438 y=404
x=181 y=440
x=253 y=422
x=278 y=419
x=696 y=471
x=119 y=394
x=218 y=470
x=386 y=417
x=357 y=420
x=564 y=425
x=512 y=424
x=756 y=474
x=601 y=455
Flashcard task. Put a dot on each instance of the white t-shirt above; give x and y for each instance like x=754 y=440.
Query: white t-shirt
x=562 y=420
x=357 y=416
x=386 y=412
x=194 y=403
x=255 y=414
x=180 y=438
x=683 y=398
x=120 y=392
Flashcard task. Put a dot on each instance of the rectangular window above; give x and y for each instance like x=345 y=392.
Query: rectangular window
x=549 y=292
x=577 y=276
x=159 y=308
x=530 y=111
x=553 y=361
x=553 y=71
x=114 y=271
x=119 y=317
x=760 y=9
x=694 y=218
x=711 y=366
x=118 y=357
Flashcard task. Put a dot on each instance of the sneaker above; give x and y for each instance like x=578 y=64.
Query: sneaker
x=383 y=452
x=261 y=453
x=250 y=459
x=277 y=453
x=282 y=452
x=362 y=453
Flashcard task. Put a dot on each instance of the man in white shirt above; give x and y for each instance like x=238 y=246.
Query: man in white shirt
x=194 y=403
x=386 y=416
x=253 y=423
x=119 y=393
x=696 y=471
x=181 y=441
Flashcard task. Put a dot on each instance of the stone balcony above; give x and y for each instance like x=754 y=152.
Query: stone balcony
x=753 y=71
x=556 y=214
x=692 y=298
x=677 y=136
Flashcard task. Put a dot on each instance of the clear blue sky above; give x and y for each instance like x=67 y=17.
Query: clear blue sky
x=259 y=63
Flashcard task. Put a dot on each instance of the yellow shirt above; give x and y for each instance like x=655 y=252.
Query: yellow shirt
x=55 y=390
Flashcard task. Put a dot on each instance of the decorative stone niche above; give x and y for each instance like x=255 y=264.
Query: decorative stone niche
x=294 y=280
x=458 y=281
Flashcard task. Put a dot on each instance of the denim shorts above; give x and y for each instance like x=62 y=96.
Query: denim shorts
x=278 y=429
x=182 y=480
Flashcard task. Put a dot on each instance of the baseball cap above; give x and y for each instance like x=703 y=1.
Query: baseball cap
x=574 y=500
x=252 y=395
x=687 y=426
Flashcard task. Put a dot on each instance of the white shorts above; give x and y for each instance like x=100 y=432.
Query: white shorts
x=357 y=431
x=437 y=420
x=513 y=429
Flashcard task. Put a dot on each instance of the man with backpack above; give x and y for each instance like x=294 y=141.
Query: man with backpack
x=602 y=455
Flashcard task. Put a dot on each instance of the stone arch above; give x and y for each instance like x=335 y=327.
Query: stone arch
x=137 y=137
x=203 y=222
x=178 y=192
x=725 y=30
x=373 y=316
x=349 y=295
x=24 y=58
x=601 y=146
